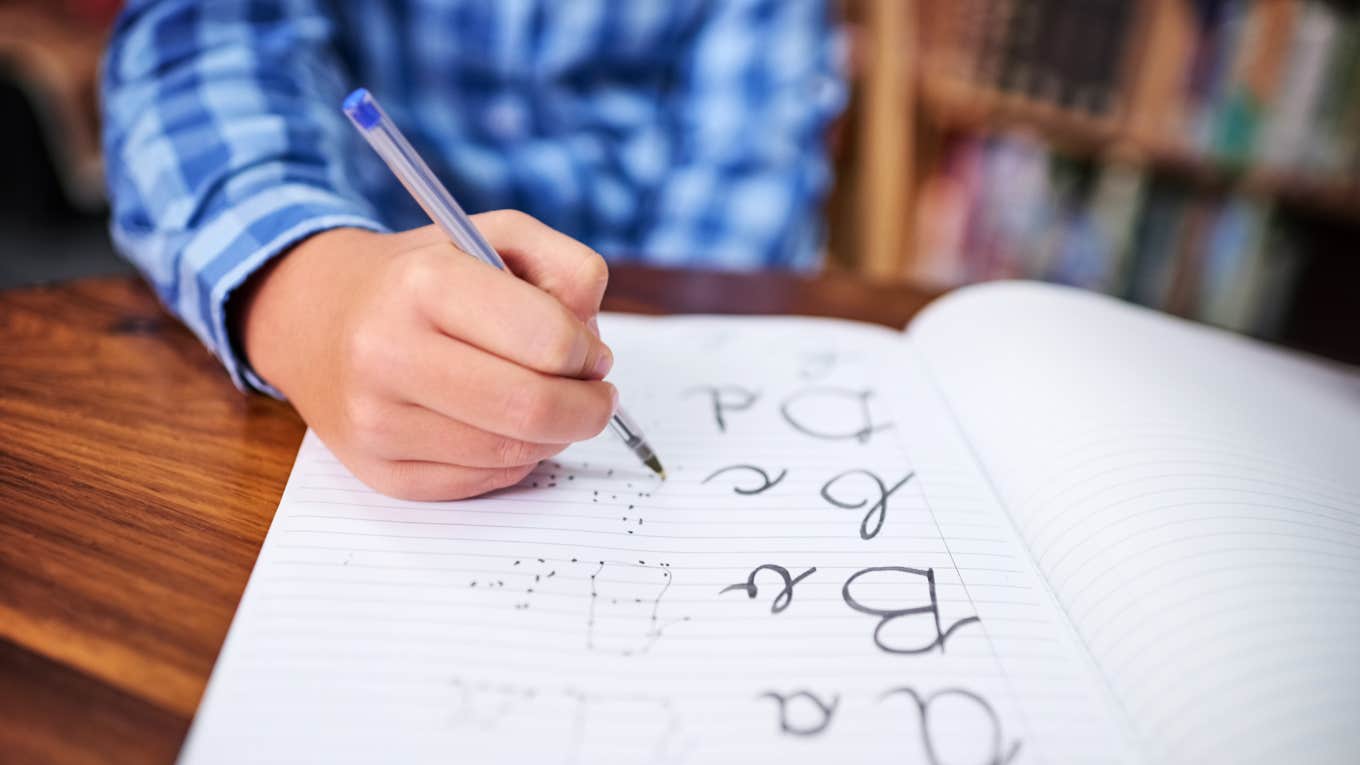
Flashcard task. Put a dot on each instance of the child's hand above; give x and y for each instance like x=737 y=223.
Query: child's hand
x=428 y=373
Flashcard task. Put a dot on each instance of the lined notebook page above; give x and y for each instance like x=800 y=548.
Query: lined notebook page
x=1192 y=498
x=825 y=574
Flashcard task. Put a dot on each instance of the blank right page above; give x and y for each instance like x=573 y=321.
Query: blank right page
x=1191 y=497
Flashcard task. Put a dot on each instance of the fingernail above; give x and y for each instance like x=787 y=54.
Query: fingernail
x=614 y=396
x=605 y=362
x=594 y=324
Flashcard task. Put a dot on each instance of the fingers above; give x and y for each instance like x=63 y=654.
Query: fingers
x=508 y=317
x=399 y=432
x=557 y=264
x=429 y=481
x=452 y=379
x=492 y=394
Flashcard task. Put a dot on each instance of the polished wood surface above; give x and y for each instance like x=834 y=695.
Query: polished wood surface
x=136 y=485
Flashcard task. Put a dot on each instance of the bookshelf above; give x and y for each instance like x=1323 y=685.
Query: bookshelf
x=1221 y=103
x=961 y=106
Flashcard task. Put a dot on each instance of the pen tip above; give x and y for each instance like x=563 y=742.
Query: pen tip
x=655 y=465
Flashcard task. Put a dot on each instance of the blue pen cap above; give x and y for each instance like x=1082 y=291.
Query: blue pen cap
x=360 y=107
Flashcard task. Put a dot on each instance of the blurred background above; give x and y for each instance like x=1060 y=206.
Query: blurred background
x=52 y=197
x=1198 y=156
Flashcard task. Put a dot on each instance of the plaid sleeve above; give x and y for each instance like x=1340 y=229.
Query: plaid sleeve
x=224 y=146
x=760 y=85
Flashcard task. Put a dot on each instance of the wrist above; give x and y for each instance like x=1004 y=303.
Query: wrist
x=280 y=313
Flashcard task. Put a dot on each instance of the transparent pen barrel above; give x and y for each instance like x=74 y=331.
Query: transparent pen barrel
x=424 y=186
x=628 y=430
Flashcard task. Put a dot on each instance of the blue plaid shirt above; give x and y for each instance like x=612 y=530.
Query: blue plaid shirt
x=671 y=131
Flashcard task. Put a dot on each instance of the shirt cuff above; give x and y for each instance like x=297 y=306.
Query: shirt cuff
x=249 y=235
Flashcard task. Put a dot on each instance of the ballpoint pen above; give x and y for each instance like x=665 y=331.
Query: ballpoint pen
x=382 y=134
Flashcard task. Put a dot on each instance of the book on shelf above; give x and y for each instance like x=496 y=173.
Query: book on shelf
x=1066 y=52
x=1231 y=264
x=1336 y=142
x=1115 y=202
x=1289 y=127
x=1004 y=206
x=1253 y=80
x=1157 y=244
x=1271 y=84
x=1099 y=37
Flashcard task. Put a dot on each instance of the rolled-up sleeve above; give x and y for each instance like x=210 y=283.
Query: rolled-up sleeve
x=224 y=146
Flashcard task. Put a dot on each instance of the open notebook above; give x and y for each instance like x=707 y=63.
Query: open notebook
x=1039 y=526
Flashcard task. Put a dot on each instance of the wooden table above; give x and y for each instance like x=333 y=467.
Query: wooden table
x=136 y=485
